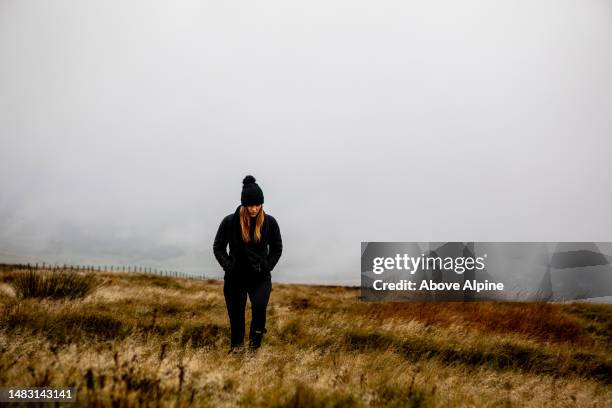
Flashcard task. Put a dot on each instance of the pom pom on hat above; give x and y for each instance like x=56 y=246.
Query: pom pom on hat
x=248 y=180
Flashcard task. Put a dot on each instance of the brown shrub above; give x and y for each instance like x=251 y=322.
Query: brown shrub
x=53 y=285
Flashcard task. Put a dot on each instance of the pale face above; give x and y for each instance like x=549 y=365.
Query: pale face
x=253 y=209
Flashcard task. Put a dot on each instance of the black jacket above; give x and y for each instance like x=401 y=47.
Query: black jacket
x=253 y=261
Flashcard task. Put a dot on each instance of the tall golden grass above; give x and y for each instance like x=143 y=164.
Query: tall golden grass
x=140 y=340
x=58 y=284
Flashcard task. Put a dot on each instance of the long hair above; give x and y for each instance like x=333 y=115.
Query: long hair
x=245 y=224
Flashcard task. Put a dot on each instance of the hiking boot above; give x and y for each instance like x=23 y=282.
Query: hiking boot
x=255 y=339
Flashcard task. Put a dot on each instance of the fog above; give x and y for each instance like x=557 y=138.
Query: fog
x=126 y=127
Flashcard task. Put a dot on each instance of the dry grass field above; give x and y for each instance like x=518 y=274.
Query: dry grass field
x=142 y=340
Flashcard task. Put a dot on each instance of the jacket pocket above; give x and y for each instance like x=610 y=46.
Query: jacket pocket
x=231 y=266
x=265 y=267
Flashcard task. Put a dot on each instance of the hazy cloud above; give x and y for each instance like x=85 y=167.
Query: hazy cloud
x=126 y=127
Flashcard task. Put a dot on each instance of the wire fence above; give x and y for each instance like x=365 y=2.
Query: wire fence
x=105 y=268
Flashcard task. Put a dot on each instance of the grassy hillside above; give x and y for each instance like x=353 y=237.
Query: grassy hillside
x=140 y=340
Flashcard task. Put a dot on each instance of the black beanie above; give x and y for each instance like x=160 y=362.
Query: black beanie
x=251 y=193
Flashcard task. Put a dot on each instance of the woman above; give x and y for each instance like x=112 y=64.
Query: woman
x=249 y=232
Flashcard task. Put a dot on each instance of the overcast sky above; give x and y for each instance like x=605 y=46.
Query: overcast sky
x=126 y=127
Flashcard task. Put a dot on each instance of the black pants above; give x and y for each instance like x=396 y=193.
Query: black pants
x=235 y=292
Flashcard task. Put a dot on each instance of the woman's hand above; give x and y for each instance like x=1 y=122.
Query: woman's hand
x=265 y=267
x=231 y=266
